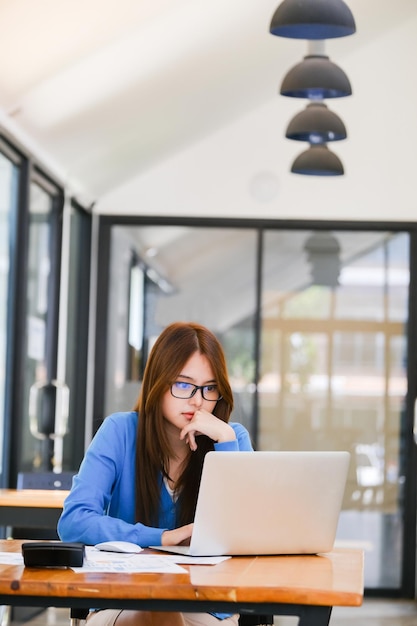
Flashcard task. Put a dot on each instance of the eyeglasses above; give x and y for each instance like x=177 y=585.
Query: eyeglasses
x=185 y=391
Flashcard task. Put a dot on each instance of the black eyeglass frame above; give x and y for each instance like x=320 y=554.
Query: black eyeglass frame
x=194 y=391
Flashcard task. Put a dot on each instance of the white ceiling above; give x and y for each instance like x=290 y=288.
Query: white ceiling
x=171 y=107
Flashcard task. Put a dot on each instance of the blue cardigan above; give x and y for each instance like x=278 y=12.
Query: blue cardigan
x=101 y=504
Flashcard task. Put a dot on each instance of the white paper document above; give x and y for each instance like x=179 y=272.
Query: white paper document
x=11 y=558
x=99 y=561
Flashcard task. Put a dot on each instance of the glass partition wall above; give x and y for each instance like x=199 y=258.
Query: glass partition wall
x=44 y=294
x=159 y=276
x=36 y=444
x=315 y=326
x=334 y=375
x=41 y=424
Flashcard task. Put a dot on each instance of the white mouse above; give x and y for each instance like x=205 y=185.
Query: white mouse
x=118 y=546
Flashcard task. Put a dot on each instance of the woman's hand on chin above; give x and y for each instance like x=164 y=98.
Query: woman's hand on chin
x=205 y=423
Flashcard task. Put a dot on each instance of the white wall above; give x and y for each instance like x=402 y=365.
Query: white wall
x=242 y=170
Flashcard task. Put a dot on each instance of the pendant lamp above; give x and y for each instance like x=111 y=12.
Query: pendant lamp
x=323 y=254
x=317 y=125
x=312 y=19
x=318 y=160
x=316 y=78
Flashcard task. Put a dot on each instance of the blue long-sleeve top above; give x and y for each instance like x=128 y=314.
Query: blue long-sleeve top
x=101 y=503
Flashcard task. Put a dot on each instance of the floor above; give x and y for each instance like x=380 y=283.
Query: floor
x=372 y=613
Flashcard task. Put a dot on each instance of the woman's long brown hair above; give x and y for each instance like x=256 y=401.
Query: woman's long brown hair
x=174 y=346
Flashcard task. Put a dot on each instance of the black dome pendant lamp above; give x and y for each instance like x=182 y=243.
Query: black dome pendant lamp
x=316 y=124
x=316 y=77
x=318 y=160
x=313 y=19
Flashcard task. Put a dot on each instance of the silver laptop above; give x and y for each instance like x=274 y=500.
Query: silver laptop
x=267 y=503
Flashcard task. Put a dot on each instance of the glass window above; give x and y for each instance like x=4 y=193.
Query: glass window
x=316 y=350
x=333 y=374
x=76 y=347
x=39 y=390
x=178 y=273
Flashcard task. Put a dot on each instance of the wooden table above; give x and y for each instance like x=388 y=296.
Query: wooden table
x=304 y=586
x=31 y=508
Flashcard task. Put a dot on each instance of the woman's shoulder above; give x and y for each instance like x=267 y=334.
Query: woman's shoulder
x=117 y=432
x=121 y=421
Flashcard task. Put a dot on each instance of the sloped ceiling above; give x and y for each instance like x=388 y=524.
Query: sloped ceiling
x=171 y=107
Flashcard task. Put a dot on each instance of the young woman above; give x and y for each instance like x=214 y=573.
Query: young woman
x=143 y=467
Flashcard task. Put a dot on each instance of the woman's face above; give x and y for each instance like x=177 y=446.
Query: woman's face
x=177 y=411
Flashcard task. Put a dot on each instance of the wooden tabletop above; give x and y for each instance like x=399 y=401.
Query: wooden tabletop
x=334 y=579
x=34 y=498
x=31 y=508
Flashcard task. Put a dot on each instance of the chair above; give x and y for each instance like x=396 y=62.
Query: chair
x=255 y=620
x=78 y=615
x=45 y=480
x=41 y=480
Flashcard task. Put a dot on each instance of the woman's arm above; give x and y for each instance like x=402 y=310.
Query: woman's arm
x=242 y=442
x=100 y=506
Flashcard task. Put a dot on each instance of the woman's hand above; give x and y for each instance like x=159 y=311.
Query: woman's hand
x=178 y=536
x=205 y=423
